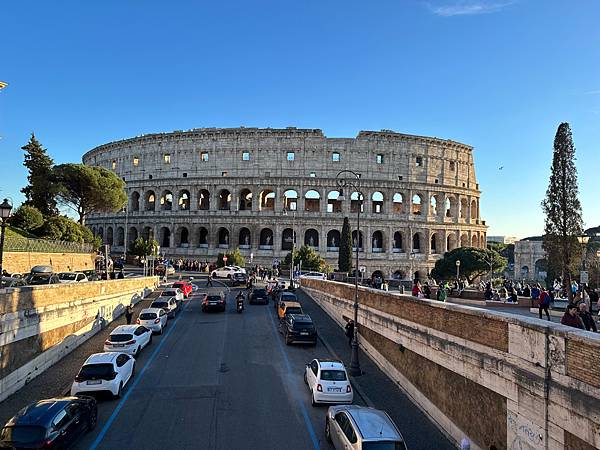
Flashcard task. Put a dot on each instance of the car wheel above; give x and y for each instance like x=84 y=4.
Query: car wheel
x=313 y=401
x=120 y=391
x=160 y=330
x=93 y=419
x=137 y=350
x=327 y=430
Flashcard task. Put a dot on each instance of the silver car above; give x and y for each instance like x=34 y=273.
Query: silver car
x=362 y=428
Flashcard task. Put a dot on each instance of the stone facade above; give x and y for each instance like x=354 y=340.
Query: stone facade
x=22 y=262
x=530 y=260
x=205 y=191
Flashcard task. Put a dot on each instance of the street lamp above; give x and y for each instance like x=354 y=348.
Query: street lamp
x=583 y=240
x=349 y=178
x=5 y=209
x=457 y=269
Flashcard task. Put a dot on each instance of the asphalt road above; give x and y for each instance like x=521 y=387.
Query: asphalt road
x=227 y=381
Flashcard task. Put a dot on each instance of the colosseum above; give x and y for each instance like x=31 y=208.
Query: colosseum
x=210 y=190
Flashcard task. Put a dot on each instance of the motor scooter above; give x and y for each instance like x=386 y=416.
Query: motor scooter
x=240 y=304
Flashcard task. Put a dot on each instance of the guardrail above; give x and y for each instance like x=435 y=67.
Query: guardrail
x=27 y=245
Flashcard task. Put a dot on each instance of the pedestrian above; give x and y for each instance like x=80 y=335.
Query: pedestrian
x=209 y=280
x=465 y=444
x=571 y=318
x=544 y=303
x=350 y=331
x=587 y=318
x=129 y=313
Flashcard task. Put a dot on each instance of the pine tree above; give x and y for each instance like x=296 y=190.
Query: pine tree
x=40 y=192
x=562 y=207
x=345 y=251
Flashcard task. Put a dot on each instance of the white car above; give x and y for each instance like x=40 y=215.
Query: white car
x=238 y=268
x=154 y=319
x=225 y=272
x=314 y=275
x=328 y=382
x=72 y=277
x=173 y=292
x=104 y=372
x=130 y=339
x=168 y=304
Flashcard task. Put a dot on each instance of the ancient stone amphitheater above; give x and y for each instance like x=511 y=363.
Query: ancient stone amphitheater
x=205 y=191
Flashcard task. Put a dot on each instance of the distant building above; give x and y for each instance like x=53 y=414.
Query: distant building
x=502 y=239
x=530 y=259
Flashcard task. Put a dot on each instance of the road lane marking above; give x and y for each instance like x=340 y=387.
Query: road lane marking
x=307 y=422
x=136 y=381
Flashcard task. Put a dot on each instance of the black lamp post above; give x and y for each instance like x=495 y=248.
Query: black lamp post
x=5 y=209
x=349 y=178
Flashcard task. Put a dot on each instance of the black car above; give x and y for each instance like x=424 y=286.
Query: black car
x=239 y=279
x=298 y=328
x=214 y=301
x=53 y=423
x=259 y=295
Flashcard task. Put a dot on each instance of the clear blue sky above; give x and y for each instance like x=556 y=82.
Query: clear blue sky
x=496 y=74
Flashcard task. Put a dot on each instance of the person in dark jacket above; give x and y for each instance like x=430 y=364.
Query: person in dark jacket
x=587 y=318
x=571 y=317
x=350 y=331
x=129 y=314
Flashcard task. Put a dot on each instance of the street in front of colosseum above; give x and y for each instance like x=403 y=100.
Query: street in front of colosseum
x=326 y=226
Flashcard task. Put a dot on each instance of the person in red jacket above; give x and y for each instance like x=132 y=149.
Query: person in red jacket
x=571 y=317
x=544 y=303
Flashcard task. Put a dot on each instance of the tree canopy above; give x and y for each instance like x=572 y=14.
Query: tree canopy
x=345 y=251
x=87 y=189
x=143 y=247
x=474 y=262
x=62 y=228
x=234 y=258
x=40 y=192
x=27 y=218
x=311 y=260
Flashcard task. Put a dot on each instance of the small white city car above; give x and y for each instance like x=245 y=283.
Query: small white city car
x=104 y=372
x=328 y=382
x=225 y=272
x=169 y=304
x=72 y=277
x=153 y=318
x=130 y=339
x=173 y=292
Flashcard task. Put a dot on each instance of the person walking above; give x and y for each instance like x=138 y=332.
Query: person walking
x=350 y=331
x=544 y=303
x=209 y=280
x=129 y=314
x=587 y=318
x=571 y=318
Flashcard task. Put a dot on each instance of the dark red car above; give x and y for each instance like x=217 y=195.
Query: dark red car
x=185 y=287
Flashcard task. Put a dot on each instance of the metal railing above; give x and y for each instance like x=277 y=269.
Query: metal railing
x=22 y=244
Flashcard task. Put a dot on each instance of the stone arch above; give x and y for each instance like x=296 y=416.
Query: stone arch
x=420 y=275
x=541 y=269
x=377 y=199
x=398 y=242
x=184 y=201
x=334 y=205
x=417 y=243
x=356 y=202
x=398 y=203
x=203 y=200
x=290 y=200
x=450 y=207
x=463 y=212
x=109 y=236
x=101 y=233
x=224 y=200
x=266 y=238
x=165 y=237
x=474 y=240
x=399 y=274
x=244 y=238
x=435 y=243
x=417 y=204
x=311 y=237
x=202 y=237
x=377 y=242
x=287 y=239
x=182 y=237
x=333 y=239
x=360 y=240
x=312 y=201
x=150 y=201
x=132 y=235
x=525 y=272
x=474 y=212
x=223 y=236
x=245 y=200
x=166 y=200
x=266 y=200
x=147 y=233
x=464 y=240
x=433 y=205
x=451 y=242
x=134 y=203
x=120 y=237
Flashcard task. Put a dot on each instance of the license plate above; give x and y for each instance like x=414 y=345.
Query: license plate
x=304 y=333
x=94 y=382
x=334 y=389
x=118 y=345
x=212 y=303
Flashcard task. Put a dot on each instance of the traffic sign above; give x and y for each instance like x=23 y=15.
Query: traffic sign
x=362 y=269
x=584 y=277
x=224 y=258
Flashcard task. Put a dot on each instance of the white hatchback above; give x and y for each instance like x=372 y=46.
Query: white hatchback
x=173 y=292
x=154 y=319
x=104 y=372
x=130 y=339
x=225 y=272
x=328 y=382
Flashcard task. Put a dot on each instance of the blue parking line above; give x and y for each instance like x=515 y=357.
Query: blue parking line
x=308 y=423
x=137 y=380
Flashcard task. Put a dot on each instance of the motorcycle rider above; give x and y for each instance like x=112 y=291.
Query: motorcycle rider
x=240 y=300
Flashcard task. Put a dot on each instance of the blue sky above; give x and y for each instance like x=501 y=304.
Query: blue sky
x=498 y=75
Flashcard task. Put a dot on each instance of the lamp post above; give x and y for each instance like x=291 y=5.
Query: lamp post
x=349 y=178
x=5 y=209
x=457 y=269
x=583 y=240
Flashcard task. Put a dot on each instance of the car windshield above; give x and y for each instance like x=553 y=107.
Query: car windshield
x=159 y=305
x=260 y=292
x=67 y=276
x=214 y=298
x=383 y=445
x=333 y=375
x=147 y=316
x=168 y=294
x=293 y=310
x=288 y=297
x=90 y=371
x=120 y=337
x=39 y=279
x=23 y=434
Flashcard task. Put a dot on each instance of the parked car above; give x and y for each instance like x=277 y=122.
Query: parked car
x=104 y=372
x=41 y=275
x=298 y=328
x=239 y=279
x=185 y=287
x=314 y=275
x=153 y=318
x=169 y=305
x=91 y=275
x=214 y=301
x=239 y=269
x=225 y=272
x=288 y=307
x=328 y=382
x=362 y=428
x=258 y=295
x=162 y=269
x=170 y=292
x=130 y=339
x=12 y=282
x=52 y=423
x=71 y=277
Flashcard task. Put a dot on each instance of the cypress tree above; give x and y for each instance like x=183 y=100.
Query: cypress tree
x=562 y=207
x=345 y=251
x=40 y=191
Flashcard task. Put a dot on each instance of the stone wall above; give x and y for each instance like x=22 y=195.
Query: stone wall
x=39 y=325
x=22 y=262
x=503 y=380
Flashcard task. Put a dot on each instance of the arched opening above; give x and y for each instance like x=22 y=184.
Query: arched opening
x=223 y=236
x=474 y=211
x=109 y=236
x=464 y=240
x=525 y=272
x=183 y=237
x=334 y=205
x=166 y=201
x=398 y=203
x=245 y=238
x=398 y=275
x=463 y=208
x=435 y=248
x=333 y=240
x=360 y=241
x=150 y=202
x=101 y=233
x=224 y=200
x=417 y=207
x=541 y=269
x=312 y=201
x=290 y=200
x=416 y=241
x=266 y=239
x=450 y=206
x=184 y=200
x=356 y=202
x=287 y=239
x=474 y=241
x=398 y=243
x=132 y=235
x=451 y=242
x=135 y=201
x=204 y=200
x=120 y=236
x=202 y=237
x=267 y=200
x=433 y=210
x=311 y=238
x=377 y=242
x=165 y=237
x=377 y=202
x=147 y=233
x=245 y=200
